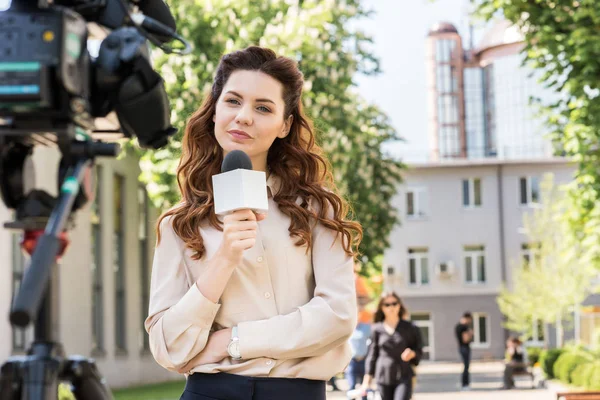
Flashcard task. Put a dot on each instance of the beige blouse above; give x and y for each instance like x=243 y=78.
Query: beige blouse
x=295 y=310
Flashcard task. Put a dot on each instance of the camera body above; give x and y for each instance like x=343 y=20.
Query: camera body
x=44 y=71
x=52 y=90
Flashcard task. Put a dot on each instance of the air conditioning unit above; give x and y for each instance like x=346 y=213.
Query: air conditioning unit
x=392 y=274
x=445 y=269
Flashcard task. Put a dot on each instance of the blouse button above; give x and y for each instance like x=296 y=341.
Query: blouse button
x=267 y=295
x=269 y=362
x=259 y=259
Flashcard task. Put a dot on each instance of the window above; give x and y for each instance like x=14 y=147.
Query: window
x=529 y=190
x=18 y=265
x=144 y=261
x=471 y=192
x=589 y=325
x=96 y=265
x=537 y=332
x=474 y=264
x=530 y=254
x=119 y=262
x=481 y=330
x=418 y=267
x=423 y=322
x=416 y=203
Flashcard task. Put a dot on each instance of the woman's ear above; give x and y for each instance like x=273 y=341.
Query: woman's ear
x=286 y=127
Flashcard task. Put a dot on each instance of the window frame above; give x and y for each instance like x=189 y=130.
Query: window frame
x=418 y=254
x=471 y=193
x=475 y=272
x=477 y=343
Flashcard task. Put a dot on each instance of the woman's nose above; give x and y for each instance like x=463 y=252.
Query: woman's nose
x=244 y=116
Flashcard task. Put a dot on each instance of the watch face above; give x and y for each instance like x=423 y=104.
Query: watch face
x=234 y=349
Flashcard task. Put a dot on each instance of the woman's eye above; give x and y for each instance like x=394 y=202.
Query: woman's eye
x=232 y=101
x=264 y=109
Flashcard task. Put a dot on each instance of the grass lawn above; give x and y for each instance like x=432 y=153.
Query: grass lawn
x=160 y=391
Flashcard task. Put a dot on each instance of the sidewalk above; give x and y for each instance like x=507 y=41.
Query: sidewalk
x=437 y=380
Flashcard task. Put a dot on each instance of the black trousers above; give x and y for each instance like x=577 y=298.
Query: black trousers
x=236 y=387
x=465 y=354
x=402 y=391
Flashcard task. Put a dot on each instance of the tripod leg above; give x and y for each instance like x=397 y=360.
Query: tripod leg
x=87 y=382
x=10 y=380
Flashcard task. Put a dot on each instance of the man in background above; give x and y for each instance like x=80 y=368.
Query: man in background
x=464 y=336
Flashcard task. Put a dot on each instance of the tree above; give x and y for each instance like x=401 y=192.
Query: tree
x=547 y=286
x=563 y=40
x=318 y=35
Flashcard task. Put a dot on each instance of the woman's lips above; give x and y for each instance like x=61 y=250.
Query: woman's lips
x=239 y=135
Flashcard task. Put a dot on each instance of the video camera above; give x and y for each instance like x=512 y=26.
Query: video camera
x=53 y=92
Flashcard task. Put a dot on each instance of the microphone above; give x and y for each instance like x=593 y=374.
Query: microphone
x=238 y=187
x=159 y=11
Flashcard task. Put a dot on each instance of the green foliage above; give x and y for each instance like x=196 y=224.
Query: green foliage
x=562 y=41
x=566 y=364
x=320 y=35
x=559 y=276
x=64 y=392
x=593 y=382
x=533 y=354
x=159 y=391
x=548 y=359
x=581 y=374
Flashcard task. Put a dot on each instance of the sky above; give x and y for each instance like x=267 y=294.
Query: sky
x=399 y=29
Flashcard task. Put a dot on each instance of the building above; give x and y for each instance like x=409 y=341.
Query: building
x=462 y=209
x=102 y=282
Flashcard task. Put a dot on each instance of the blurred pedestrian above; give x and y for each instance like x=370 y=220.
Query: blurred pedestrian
x=515 y=361
x=464 y=336
x=396 y=347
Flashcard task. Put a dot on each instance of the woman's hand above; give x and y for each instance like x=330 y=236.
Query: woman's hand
x=239 y=234
x=214 y=351
x=408 y=355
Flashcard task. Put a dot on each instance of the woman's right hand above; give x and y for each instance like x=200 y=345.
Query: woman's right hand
x=239 y=234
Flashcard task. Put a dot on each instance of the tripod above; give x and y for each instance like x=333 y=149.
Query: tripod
x=36 y=376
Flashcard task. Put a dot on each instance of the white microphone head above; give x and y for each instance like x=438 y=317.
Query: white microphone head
x=238 y=187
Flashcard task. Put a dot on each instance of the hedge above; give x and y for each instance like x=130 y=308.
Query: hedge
x=547 y=360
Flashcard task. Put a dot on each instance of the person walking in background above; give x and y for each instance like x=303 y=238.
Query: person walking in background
x=359 y=341
x=396 y=347
x=464 y=336
x=515 y=361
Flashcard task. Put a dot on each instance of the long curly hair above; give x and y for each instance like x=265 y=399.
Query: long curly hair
x=296 y=160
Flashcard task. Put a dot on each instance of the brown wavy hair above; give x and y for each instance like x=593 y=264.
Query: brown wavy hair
x=380 y=316
x=295 y=159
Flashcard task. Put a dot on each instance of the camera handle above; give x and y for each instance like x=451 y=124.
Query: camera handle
x=36 y=376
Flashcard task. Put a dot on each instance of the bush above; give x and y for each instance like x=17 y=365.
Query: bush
x=533 y=354
x=566 y=364
x=593 y=382
x=547 y=360
x=581 y=374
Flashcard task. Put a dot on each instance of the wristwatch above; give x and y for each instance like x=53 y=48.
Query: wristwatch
x=234 y=345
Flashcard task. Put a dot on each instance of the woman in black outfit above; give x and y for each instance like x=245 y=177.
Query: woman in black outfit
x=396 y=347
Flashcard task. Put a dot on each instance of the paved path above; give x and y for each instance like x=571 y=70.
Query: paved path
x=439 y=381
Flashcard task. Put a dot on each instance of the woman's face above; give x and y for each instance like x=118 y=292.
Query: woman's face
x=249 y=115
x=390 y=307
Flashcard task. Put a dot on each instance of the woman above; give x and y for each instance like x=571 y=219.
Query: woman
x=253 y=306
x=396 y=347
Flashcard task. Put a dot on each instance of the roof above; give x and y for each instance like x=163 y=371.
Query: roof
x=442 y=27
